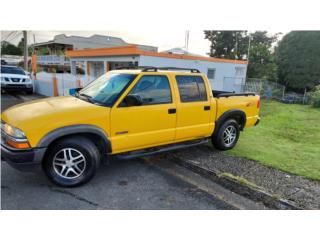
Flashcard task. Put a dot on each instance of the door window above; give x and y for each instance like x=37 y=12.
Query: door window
x=191 y=88
x=153 y=90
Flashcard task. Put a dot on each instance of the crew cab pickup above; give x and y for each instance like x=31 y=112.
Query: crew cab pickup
x=123 y=114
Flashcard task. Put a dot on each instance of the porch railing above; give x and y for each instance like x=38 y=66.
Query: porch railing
x=52 y=60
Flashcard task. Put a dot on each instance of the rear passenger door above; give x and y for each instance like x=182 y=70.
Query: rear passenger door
x=193 y=108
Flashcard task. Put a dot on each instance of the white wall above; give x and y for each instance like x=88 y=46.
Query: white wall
x=43 y=84
x=65 y=81
x=224 y=71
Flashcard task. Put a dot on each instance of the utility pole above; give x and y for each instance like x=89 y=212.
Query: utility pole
x=249 y=48
x=34 y=42
x=186 y=41
x=25 y=50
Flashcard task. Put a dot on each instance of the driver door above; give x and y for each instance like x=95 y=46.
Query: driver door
x=150 y=124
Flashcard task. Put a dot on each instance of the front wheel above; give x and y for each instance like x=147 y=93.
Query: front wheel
x=227 y=135
x=72 y=161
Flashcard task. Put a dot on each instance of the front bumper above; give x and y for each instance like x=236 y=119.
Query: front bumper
x=24 y=160
x=16 y=86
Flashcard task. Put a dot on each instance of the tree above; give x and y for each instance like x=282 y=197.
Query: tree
x=21 y=46
x=262 y=37
x=261 y=59
x=10 y=49
x=298 y=59
x=227 y=44
x=235 y=44
x=262 y=63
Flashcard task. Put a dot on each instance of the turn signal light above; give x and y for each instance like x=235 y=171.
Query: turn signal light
x=258 y=104
x=18 y=145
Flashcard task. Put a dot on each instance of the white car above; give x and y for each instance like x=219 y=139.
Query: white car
x=15 y=78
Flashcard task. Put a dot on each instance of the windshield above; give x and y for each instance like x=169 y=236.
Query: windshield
x=12 y=70
x=107 y=88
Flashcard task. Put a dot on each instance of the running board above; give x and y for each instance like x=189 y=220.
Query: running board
x=166 y=148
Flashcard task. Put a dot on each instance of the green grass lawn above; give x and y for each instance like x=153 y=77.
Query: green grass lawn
x=287 y=138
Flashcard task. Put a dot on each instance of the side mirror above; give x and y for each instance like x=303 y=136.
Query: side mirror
x=133 y=100
x=74 y=91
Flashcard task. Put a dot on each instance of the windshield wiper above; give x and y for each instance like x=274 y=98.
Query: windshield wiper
x=87 y=98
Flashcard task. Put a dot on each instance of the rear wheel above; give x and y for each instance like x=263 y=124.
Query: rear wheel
x=227 y=136
x=72 y=161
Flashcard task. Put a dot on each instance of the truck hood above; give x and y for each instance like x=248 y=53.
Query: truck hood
x=9 y=75
x=47 y=114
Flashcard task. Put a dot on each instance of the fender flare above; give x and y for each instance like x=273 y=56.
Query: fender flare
x=74 y=129
x=230 y=114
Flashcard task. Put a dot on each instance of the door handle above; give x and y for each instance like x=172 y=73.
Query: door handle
x=172 y=110
x=206 y=108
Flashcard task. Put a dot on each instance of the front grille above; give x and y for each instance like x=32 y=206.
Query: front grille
x=15 y=79
x=16 y=85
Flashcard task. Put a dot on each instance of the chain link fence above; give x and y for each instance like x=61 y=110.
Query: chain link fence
x=275 y=90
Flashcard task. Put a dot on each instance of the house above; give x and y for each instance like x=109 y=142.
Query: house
x=53 y=52
x=224 y=74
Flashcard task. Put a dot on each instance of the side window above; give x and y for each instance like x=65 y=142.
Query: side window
x=211 y=73
x=153 y=90
x=191 y=88
x=240 y=71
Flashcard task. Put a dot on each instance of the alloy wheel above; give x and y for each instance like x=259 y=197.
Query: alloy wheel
x=69 y=163
x=229 y=135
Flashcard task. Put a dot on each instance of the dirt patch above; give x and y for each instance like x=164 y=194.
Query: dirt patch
x=305 y=193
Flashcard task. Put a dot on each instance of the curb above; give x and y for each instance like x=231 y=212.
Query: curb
x=235 y=186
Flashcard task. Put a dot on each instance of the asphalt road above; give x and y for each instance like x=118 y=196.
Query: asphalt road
x=133 y=184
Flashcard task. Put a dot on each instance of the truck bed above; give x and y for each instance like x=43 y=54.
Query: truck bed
x=247 y=102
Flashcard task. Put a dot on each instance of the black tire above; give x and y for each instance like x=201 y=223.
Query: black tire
x=218 y=139
x=29 y=92
x=78 y=145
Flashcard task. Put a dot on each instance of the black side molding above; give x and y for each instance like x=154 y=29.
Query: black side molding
x=161 y=149
x=75 y=129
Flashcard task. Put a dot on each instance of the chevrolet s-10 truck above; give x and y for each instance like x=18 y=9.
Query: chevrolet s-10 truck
x=123 y=114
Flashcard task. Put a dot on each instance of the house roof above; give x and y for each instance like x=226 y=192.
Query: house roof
x=135 y=50
x=180 y=51
x=94 y=41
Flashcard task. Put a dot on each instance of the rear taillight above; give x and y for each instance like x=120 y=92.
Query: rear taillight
x=258 y=104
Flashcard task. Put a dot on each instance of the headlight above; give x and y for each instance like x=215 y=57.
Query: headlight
x=2 y=79
x=13 y=131
x=14 y=137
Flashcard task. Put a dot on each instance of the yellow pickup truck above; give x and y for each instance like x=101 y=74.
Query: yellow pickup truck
x=123 y=114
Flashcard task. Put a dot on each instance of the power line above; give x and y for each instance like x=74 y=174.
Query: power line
x=18 y=34
x=7 y=37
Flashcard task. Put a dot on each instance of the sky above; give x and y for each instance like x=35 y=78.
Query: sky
x=162 y=39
